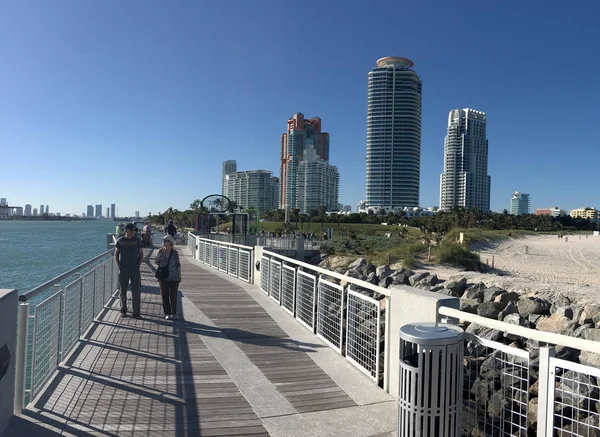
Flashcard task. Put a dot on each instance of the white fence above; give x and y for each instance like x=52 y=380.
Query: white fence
x=338 y=309
x=507 y=392
x=59 y=315
x=233 y=259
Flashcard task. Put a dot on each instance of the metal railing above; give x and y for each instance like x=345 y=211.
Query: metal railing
x=502 y=381
x=233 y=259
x=56 y=316
x=346 y=313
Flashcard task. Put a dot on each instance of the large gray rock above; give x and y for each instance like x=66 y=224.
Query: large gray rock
x=475 y=292
x=367 y=269
x=588 y=313
x=490 y=294
x=372 y=278
x=482 y=389
x=588 y=427
x=401 y=279
x=510 y=308
x=509 y=296
x=429 y=281
x=533 y=305
x=578 y=390
x=457 y=286
x=514 y=319
x=468 y=305
x=590 y=359
x=449 y=292
x=436 y=288
x=578 y=332
x=535 y=318
x=559 y=301
x=557 y=324
x=591 y=334
x=482 y=331
x=386 y=282
x=383 y=271
x=490 y=309
x=354 y=273
x=358 y=264
x=497 y=405
x=566 y=311
x=417 y=277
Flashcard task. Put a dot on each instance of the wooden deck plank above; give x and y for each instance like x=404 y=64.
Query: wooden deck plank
x=283 y=361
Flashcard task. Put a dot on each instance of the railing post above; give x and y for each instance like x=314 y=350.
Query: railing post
x=21 y=362
x=78 y=275
x=545 y=390
x=61 y=318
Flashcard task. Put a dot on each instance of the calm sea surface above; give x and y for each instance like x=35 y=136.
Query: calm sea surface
x=33 y=252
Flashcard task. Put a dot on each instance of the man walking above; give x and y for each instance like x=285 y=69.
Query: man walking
x=128 y=256
x=171 y=229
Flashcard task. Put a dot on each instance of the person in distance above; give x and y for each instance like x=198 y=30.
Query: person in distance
x=169 y=276
x=170 y=229
x=128 y=257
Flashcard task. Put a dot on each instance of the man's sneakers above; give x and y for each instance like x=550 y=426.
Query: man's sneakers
x=171 y=317
x=137 y=317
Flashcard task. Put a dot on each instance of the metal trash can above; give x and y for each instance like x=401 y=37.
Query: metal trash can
x=431 y=374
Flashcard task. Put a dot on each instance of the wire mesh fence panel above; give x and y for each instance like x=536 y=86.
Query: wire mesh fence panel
x=87 y=304
x=45 y=352
x=71 y=316
x=245 y=265
x=201 y=251
x=223 y=252
x=363 y=332
x=330 y=313
x=233 y=261
x=115 y=280
x=275 y=280
x=288 y=289
x=215 y=256
x=107 y=280
x=99 y=289
x=264 y=274
x=573 y=399
x=207 y=253
x=495 y=388
x=306 y=293
x=192 y=245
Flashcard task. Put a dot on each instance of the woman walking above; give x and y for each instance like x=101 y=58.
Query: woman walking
x=169 y=276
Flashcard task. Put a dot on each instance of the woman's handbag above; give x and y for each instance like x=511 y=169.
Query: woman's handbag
x=163 y=272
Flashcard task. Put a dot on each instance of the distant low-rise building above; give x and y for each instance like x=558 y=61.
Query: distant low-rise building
x=586 y=212
x=554 y=211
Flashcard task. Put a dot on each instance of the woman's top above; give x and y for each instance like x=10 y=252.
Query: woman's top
x=174 y=265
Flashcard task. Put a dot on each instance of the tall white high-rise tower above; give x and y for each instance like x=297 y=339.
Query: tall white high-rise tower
x=465 y=181
x=393 y=134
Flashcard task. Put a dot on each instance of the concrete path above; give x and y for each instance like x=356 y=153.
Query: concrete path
x=235 y=364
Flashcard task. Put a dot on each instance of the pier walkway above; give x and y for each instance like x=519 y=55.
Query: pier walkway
x=234 y=364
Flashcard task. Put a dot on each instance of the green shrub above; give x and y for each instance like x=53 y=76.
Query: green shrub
x=458 y=256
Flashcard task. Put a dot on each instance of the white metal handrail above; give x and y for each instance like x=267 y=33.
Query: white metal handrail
x=322 y=271
x=533 y=334
x=43 y=287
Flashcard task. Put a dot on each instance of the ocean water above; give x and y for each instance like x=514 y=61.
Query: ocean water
x=33 y=252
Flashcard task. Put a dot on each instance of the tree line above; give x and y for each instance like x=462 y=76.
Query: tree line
x=441 y=221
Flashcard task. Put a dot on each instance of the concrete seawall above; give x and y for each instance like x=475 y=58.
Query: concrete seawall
x=8 y=344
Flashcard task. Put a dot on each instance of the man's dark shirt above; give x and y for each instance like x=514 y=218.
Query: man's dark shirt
x=129 y=251
x=171 y=230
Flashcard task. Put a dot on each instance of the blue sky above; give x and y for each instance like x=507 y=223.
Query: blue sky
x=139 y=102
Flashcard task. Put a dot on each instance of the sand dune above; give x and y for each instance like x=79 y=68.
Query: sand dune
x=541 y=265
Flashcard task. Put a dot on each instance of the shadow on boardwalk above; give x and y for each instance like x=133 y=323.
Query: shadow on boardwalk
x=148 y=377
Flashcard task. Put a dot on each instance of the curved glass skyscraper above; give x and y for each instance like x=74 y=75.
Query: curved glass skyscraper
x=393 y=134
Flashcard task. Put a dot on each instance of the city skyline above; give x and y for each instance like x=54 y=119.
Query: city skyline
x=126 y=98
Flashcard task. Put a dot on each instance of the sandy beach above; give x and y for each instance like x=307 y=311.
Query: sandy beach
x=543 y=266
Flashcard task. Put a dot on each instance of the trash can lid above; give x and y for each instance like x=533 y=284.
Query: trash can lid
x=431 y=333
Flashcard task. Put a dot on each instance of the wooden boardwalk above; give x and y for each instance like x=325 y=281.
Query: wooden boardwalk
x=155 y=377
